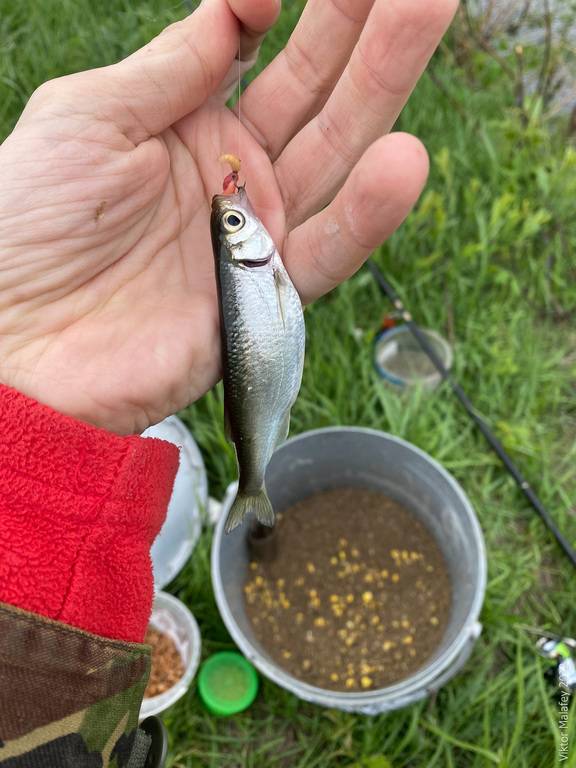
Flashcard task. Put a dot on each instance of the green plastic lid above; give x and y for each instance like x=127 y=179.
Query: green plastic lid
x=227 y=683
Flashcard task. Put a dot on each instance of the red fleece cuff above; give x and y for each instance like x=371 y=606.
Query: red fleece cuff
x=79 y=510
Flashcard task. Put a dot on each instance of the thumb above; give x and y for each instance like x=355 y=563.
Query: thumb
x=173 y=74
x=182 y=67
x=169 y=77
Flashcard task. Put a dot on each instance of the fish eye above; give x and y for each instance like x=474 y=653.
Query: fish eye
x=233 y=221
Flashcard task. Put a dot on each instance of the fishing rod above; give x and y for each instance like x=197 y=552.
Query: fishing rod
x=491 y=439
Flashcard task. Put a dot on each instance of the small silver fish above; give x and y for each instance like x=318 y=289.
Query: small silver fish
x=263 y=338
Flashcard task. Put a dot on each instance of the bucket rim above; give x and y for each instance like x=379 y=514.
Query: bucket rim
x=421 y=679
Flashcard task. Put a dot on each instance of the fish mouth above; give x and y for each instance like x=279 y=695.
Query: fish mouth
x=222 y=202
x=255 y=263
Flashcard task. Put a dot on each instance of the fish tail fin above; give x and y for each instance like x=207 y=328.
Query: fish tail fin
x=259 y=503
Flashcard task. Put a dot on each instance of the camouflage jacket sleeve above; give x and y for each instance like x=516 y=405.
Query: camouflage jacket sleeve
x=68 y=699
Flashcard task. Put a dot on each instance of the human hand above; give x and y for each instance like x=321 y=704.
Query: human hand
x=108 y=306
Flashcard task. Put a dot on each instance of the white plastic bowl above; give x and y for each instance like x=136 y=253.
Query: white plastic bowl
x=177 y=539
x=171 y=616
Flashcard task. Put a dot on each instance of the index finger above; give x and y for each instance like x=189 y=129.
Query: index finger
x=256 y=17
x=174 y=74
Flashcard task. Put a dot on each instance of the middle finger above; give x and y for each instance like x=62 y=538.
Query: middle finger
x=295 y=85
x=394 y=48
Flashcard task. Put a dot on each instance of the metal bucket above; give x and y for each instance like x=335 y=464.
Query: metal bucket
x=349 y=456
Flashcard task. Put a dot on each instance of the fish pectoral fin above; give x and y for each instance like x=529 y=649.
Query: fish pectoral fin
x=278 y=285
x=283 y=430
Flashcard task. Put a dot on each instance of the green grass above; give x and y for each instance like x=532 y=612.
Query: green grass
x=487 y=259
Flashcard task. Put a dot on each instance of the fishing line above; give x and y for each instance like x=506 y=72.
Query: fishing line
x=491 y=439
x=239 y=88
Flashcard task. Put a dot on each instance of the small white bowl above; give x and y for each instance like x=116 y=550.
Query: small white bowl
x=171 y=616
x=401 y=361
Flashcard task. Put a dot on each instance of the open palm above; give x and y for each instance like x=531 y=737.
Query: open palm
x=108 y=307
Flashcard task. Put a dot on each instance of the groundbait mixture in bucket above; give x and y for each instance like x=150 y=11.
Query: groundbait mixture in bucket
x=357 y=596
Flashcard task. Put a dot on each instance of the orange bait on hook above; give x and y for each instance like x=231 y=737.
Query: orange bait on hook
x=230 y=184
